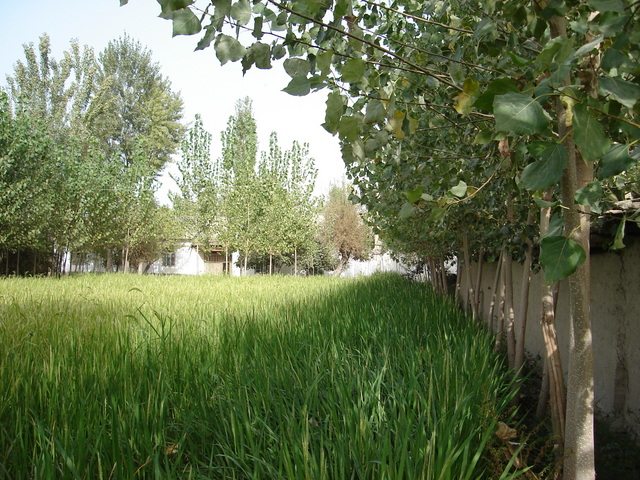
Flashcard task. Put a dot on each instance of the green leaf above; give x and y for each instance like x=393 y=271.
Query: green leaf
x=228 y=48
x=616 y=161
x=349 y=128
x=590 y=195
x=483 y=137
x=607 y=5
x=626 y=93
x=223 y=7
x=556 y=225
x=520 y=114
x=241 y=12
x=168 y=7
x=323 y=60
x=407 y=210
x=298 y=86
x=296 y=67
x=618 y=241
x=467 y=97
x=335 y=107
x=589 y=134
x=499 y=86
x=396 y=124
x=548 y=170
x=185 y=22
x=257 y=28
x=375 y=112
x=207 y=38
x=560 y=257
x=414 y=195
x=353 y=70
x=545 y=204
x=262 y=55
x=588 y=47
x=459 y=190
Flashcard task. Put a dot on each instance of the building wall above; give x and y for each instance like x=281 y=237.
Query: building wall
x=377 y=263
x=615 y=318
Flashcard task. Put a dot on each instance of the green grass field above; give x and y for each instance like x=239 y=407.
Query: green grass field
x=123 y=376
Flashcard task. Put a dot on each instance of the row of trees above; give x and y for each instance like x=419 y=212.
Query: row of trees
x=81 y=143
x=263 y=205
x=480 y=130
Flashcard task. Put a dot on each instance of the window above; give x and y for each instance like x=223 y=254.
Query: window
x=169 y=260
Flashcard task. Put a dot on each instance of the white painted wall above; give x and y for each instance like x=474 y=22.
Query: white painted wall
x=188 y=262
x=615 y=319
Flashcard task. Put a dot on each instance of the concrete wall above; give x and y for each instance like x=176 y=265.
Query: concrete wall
x=615 y=317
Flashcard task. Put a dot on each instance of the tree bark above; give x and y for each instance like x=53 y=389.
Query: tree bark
x=341 y=266
x=502 y=297
x=579 y=457
x=509 y=314
x=443 y=275
x=521 y=327
x=477 y=289
x=494 y=294
x=469 y=294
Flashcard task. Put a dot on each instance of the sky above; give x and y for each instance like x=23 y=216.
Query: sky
x=206 y=87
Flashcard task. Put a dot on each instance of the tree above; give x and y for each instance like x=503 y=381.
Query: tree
x=200 y=185
x=241 y=205
x=26 y=150
x=343 y=228
x=290 y=212
x=143 y=109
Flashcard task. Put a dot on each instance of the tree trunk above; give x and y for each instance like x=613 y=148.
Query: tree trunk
x=478 y=284
x=125 y=263
x=494 y=292
x=270 y=263
x=226 y=259
x=469 y=294
x=18 y=263
x=443 y=275
x=457 y=294
x=521 y=327
x=554 y=366
x=579 y=458
x=246 y=259
x=295 y=261
x=509 y=313
x=341 y=266
x=508 y=305
x=553 y=362
x=502 y=300
x=109 y=265
x=543 y=398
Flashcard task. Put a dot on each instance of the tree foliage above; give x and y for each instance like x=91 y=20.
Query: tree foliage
x=83 y=141
x=343 y=228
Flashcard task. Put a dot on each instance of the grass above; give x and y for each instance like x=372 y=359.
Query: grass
x=243 y=378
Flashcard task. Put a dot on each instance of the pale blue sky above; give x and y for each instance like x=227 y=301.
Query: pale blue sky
x=205 y=86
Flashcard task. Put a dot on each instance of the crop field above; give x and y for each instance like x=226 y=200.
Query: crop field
x=124 y=376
